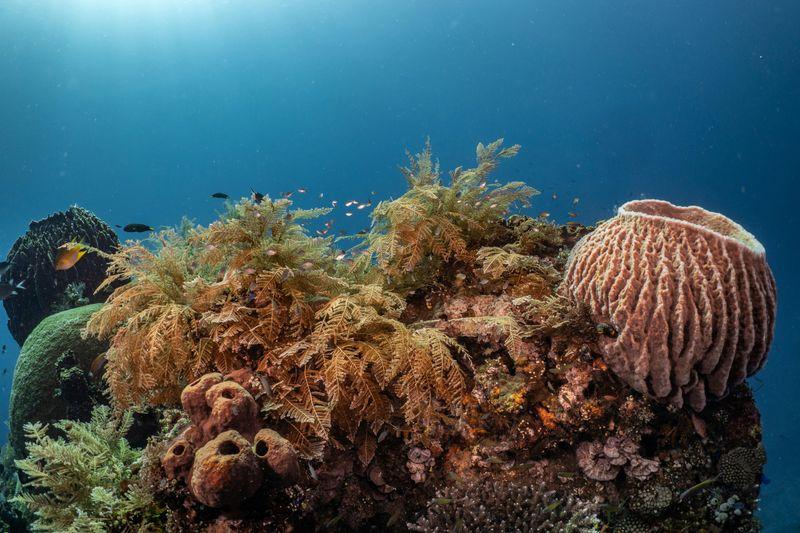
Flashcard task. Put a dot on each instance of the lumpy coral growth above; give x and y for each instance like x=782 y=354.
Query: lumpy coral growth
x=431 y=376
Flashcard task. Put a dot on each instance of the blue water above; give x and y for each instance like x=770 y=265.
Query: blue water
x=139 y=109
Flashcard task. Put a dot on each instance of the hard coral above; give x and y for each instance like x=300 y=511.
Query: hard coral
x=602 y=462
x=740 y=467
x=31 y=258
x=690 y=295
x=496 y=507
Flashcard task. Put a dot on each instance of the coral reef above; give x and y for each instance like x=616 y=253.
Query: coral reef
x=497 y=507
x=690 y=296
x=85 y=481
x=46 y=290
x=431 y=377
x=51 y=379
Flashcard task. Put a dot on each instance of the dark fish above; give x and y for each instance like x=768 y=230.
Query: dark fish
x=4 y=348
x=220 y=195
x=5 y=371
x=4 y=266
x=9 y=288
x=607 y=330
x=137 y=228
x=256 y=196
x=98 y=364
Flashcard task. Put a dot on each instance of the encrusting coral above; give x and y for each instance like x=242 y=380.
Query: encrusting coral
x=690 y=295
x=431 y=375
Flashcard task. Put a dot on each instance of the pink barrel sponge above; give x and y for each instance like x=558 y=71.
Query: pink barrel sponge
x=689 y=293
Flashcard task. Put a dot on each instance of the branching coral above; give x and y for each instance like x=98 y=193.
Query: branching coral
x=495 y=506
x=85 y=481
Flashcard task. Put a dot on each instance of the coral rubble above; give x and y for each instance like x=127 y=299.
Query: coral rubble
x=46 y=290
x=432 y=377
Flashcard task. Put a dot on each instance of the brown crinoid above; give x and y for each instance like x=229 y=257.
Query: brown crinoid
x=688 y=292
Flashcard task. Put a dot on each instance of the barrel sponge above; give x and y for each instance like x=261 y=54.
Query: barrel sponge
x=689 y=293
x=31 y=261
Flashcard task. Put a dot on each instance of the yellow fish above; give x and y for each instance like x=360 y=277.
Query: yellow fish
x=69 y=254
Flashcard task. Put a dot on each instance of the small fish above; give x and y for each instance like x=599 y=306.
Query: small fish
x=341 y=256
x=4 y=349
x=287 y=194
x=322 y=195
x=10 y=289
x=552 y=507
x=256 y=196
x=302 y=190
x=4 y=265
x=5 y=371
x=395 y=516
x=555 y=196
x=607 y=330
x=98 y=364
x=461 y=276
x=348 y=214
x=576 y=201
x=482 y=185
x=544 y=214
x=362 y=232
x=362 y=206
x=572 y=215
x=136 y=228
x=220 y=195
x=334 y=203
x=351 y=202
x=68 y=255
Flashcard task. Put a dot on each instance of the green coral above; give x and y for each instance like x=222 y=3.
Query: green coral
x=84 y=482
x=37 y=375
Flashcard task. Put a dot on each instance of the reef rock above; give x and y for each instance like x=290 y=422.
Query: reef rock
x=39 y=375
x=47 y=290
x=690 y=296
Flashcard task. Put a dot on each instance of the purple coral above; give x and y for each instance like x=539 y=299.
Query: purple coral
x=603 y=461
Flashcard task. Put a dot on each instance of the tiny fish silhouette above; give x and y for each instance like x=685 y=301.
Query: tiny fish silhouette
x=136 y=228
x=220 y=195
x=10 y=289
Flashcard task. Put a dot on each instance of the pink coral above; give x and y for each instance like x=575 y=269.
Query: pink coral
x=603 y=461
x=594 y=464
x=689 y=293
